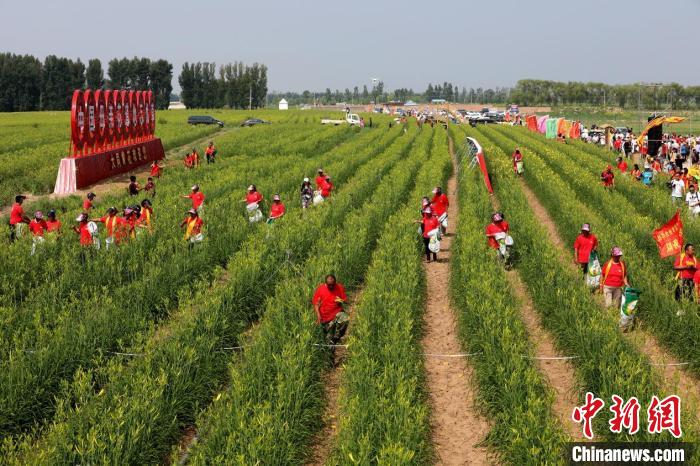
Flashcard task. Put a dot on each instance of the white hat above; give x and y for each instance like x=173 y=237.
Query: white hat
x=306 y=180
x=251 y=187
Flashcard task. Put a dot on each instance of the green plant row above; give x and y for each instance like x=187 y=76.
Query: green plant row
x=274 y=403
x=605 y=362
x=145 y=404
x=512 y=393
x=383 y=408
x=107 y=322
x=617 y=223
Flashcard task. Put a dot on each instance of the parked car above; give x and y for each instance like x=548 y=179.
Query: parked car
x=254 y=121
x=204 y=120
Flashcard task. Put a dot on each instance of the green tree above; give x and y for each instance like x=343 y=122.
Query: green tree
x=94 y=74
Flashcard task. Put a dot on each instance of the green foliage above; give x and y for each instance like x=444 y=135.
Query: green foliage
x=237 y=85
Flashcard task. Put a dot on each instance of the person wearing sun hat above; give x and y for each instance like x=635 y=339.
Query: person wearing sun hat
x=197 y=197
x=277 y=209
x=614 y=278
x=193 y=228
x=307 y=193
x=585 y=243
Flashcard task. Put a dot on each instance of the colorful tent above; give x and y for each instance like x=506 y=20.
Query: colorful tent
x=551 y=128
x=542 y=124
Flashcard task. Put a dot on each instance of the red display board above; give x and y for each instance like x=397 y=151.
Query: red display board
x=112 y=132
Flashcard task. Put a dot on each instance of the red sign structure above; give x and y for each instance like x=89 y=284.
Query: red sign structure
x=112 y=132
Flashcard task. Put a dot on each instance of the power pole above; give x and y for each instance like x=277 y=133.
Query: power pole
x=250 y=97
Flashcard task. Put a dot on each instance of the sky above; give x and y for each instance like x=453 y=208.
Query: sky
x=330 y=43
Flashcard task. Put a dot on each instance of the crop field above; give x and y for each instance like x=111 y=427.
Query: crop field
x=153 y=352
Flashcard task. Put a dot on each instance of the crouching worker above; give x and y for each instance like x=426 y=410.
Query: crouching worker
x=328 y=302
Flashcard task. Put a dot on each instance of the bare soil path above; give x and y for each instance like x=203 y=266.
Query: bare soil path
x=674 y=377
x=457 y=426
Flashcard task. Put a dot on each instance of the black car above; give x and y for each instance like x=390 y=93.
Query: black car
x=204 y=120
x=254 y=121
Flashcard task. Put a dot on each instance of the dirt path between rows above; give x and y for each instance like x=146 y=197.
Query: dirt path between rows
x=325 y=439
x=559 y=373
x=118 y=182
x=457 y=427
x=675 y=379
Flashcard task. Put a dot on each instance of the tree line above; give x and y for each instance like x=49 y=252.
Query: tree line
x=233 y=85
x=27 y=83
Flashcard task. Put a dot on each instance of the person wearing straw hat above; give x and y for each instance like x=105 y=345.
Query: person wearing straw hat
x=328 y=301
x=193 y=228
x=277 y=209
x=585 y=243
x=17 y=218
x=37 y=226
x=614 y=278
x=197 y=198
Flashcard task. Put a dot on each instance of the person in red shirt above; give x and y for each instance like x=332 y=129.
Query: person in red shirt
x=195 y=157
x=429 y=224
x=150 y=187
x=608 y=178
x=87 y=203
x=83 y=231
x=636 y=173
x=585 y=243
x=621 y=165
x=686 y=265
x=439 y=204
x=320 y=178
x=277 y=209
x=210 y=153
x=193 y=228
x=328 y=301
x=189 y=161
x=253 y=196
x=197 y=199
x=155 y=169
x=498 y=225
x=112 y=225
x=52 y=225
x=17 y=218
x=37 y=226
x=327 y=187
x=614 y=278
x=127 y=230
x=517 y=158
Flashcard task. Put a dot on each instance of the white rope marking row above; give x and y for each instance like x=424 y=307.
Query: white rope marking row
x=456 y=355
x=548 y=358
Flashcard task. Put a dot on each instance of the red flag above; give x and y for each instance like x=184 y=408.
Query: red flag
x=669 y=238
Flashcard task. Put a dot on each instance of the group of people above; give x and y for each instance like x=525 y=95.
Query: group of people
x=191 y=159
x=433 y=222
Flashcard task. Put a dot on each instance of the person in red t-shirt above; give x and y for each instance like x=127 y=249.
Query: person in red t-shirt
x=17 y=218
x=155 y=169
x=87 y=203
x=517 y=158
x=498 y=225
x=614 y=278
x=608 y=178
x=686 y=265
x=82 y=230
x=277 y=209
x=439 y=204
x=585 y=243
x=197 y=199
x=327 y=187
x=320 y=179
x=621 y=165
x=328 y=301
x=37 y=226
x=52 y=225
x=253 y=196
x=429 y=224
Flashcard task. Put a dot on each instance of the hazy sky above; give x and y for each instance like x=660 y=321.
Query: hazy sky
x=407 y=43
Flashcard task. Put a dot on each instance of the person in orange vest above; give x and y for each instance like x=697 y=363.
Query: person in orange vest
x=686 y=265
x=17 y=218
x=155 y=169
x=328 y=301
x=210 y=152
x=37 y=226
x=112 y=223
x=144 y=220
x=585 y=243
x=87 y=203
x=193 y=228
x=277 y=209
x=195 y=157
x=614 y=278
x=128 y=228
